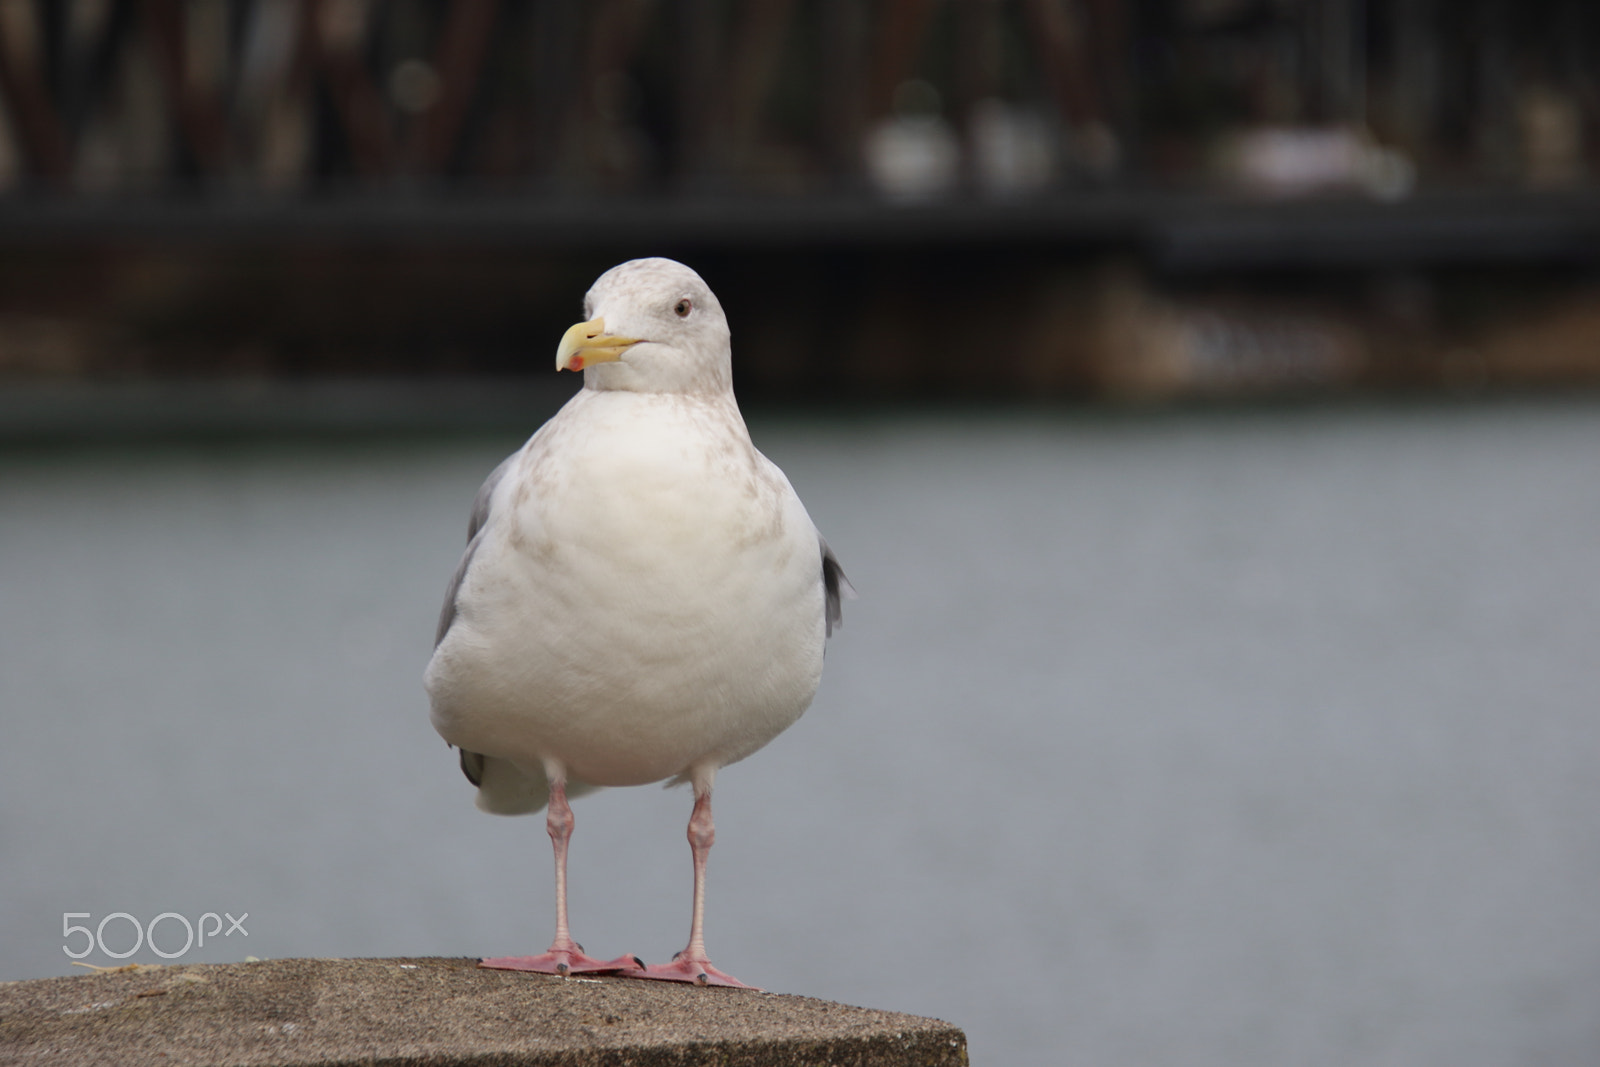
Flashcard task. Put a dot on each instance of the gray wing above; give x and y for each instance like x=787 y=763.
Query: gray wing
x=835 y=585
x=480 y=516
x=472 y=764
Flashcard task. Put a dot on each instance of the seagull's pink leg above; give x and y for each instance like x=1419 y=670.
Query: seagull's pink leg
x=691 y=965
x=565 y=955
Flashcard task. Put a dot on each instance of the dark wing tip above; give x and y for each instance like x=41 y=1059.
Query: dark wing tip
x=472 y=766
x=836 y=586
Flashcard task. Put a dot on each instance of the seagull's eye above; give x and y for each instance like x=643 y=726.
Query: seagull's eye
x=682 y=308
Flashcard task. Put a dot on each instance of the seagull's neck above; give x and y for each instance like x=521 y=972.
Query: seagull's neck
x=718 y=407
x=675 y=376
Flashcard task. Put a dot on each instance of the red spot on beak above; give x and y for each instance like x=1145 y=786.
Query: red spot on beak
x=576 y=363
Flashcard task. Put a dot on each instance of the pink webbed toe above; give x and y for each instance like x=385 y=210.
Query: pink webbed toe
x=684 y=969
x=563 y=962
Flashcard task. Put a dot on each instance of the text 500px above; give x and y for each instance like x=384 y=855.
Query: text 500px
x=96 y=938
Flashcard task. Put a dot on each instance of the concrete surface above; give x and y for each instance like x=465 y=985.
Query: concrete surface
x=440 y=1012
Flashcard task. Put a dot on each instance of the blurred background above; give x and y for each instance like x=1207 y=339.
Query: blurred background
x=1201 y=393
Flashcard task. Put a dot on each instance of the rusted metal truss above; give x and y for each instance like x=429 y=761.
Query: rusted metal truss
x=608 y=95
x=921 y=98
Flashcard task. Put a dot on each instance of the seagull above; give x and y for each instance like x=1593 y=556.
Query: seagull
x=642 y=598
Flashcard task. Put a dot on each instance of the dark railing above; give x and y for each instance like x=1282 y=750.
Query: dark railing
x=913 y=99
x=350 y=187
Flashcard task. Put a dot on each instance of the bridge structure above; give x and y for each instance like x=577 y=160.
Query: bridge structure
x=981 y=153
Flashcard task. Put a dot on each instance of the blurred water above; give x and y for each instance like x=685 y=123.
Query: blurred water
x=1204 y=739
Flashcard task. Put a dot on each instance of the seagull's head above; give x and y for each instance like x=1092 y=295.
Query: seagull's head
x=652 y=326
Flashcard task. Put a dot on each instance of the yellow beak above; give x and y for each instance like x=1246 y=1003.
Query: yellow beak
x=588 y=343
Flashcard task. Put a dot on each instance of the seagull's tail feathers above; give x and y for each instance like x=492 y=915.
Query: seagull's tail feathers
x=507 y=789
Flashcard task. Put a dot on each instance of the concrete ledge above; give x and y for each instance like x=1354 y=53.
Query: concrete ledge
x=441 y=1012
